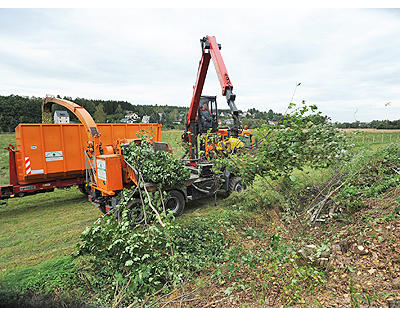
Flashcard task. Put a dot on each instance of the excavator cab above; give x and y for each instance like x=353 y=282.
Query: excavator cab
x=208 y=114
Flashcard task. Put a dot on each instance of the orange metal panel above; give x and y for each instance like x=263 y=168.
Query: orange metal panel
x=109 y=172
x=73 y=147
x=110 y=133
x=56 y=151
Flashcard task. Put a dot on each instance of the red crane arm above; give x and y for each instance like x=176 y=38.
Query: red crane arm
x=198 y=88
x=211 y=49
x=219 y=64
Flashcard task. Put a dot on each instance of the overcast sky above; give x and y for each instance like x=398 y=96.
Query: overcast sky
x=347 y=60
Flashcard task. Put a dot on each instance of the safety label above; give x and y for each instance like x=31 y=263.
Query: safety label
x=101 y=170
x=28 y=187
x=54 y=155
x=37 y=171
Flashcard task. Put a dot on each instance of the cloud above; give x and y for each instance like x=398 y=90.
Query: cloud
x=346 y=59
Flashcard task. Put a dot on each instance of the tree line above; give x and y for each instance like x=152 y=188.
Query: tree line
x=383 y=124
x=15 y=109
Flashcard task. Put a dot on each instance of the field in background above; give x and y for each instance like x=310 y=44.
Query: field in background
x=173 y=137
x=370 y=130
x=5 y=139
x=372 y=138
x=37 y=228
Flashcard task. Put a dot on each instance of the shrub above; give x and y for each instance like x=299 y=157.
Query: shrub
x=150 y=258
x=300 y=141
x=369 y=174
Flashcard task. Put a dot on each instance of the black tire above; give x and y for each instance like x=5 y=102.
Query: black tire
x=136 y=213
x=236 y=185
x=102 y=207
x=175 y=202
x=84 y=189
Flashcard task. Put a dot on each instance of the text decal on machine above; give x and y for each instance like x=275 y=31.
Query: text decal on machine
x=101 y=170
x=54 y=155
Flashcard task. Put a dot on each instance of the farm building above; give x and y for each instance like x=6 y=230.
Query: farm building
x=146 y=119
x=132 y=117
x=61 y=117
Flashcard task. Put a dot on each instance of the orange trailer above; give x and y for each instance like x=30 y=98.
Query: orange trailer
x=50 y=156
x=56 y=151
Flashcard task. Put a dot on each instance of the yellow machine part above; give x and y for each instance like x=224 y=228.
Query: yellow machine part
x=229 y=145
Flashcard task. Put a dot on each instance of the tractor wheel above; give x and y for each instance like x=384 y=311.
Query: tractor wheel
x=175 y=202
x=236 y=185
x=136 y=215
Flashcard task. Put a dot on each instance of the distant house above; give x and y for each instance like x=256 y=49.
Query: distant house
x=146 y=119
x=272 y=123
x=126 y=121
x=132 y=117
x=61 y=117
x=228 y=122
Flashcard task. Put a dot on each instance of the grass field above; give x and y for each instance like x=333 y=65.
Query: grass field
x=5 y=139
x=373 y=139
x=42 y=227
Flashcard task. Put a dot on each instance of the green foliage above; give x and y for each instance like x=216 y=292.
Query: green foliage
x=157 y=167
x=18 y=287
x=366 y=174
x=149 y=258
x=260 y=196
x=301 y=140
x=138 y=261
x=99 y=115
x=383 y=124
x=369 y=174
x=17 y=109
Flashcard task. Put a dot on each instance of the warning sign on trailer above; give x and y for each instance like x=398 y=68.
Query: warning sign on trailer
x=54 y=155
